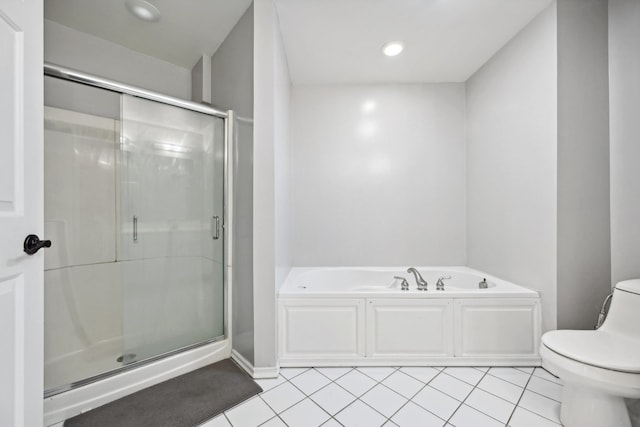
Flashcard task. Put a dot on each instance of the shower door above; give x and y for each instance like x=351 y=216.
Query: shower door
x=171 y=237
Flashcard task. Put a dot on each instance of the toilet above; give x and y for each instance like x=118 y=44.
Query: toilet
x=600 y=368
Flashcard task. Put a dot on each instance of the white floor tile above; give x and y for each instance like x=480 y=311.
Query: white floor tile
x=412 y=415
x=333 y=373
x=468 y=375
x=282 y=397
x=436 y=402
x=269 y=383
x=332 y=398
x=378 y=373
x=541 y=405
x=546 y=388
x=383 y=400
x=451 y=386
x=512 y=375
x=274 y=422
x=523 y=418
x=403 y=384
x=289 y=373
x=422 y=373
x=501 y=388
x=466 y=416
x=250 y=413
x=310 y=381
x=543 y=373
x=219 y=421
x=390 y=424
x=356 y=383
x=304 y=414
x=481 y=368
x=332 y=423
x=360 y=415
x=491 y=405
x=527 y=370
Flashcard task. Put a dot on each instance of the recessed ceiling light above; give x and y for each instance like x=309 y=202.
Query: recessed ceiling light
x=392 y=48
x=143 y=10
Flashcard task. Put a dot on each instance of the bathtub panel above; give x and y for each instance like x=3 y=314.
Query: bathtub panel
x=322 y=328
x=497 y=327
x=409 y=327
x=464 y=325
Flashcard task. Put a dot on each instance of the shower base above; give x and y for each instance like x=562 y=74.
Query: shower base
x=65 y=405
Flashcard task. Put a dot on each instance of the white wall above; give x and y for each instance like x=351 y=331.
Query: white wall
x=232 y=69
x=74 y=49
x=283 y=168
x=232 y=88
x=270 y=179
x=584 y=262
x=624 y=91
x=511 y=162
x=379 y=174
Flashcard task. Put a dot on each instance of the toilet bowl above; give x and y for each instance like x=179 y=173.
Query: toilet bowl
x=600 y=368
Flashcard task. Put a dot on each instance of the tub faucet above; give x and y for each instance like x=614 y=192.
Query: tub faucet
x=404 y=285
x=422 y=284
x=440 y=283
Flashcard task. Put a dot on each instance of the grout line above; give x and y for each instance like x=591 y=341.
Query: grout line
x=540 y=367
x=518 y=403
x=330 y=382
x=288 y=407
x=463 y=381
x=420 y=406
x=408 y=400
x=224 y=414
x=511 y=382
x=541 y=416
x=464 y=400
x=394 y=370
x=543 y=395
x=422 y=381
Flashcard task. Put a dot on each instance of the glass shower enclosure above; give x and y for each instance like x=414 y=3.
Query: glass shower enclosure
x=134 y=206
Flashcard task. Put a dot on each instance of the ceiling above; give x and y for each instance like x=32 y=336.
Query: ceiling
x=340 y=41
x=326 y=41
x=186 y=30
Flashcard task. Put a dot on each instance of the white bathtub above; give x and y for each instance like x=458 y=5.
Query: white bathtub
x=361 y=317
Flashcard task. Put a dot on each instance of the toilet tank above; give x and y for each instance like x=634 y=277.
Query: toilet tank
x=624 y=312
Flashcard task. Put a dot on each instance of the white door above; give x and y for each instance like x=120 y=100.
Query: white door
x=21 y=204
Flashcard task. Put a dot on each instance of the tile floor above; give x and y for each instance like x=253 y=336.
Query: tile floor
x=409 y=396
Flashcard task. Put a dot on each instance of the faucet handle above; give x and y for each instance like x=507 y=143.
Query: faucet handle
x=404 y=285
x=440 y=283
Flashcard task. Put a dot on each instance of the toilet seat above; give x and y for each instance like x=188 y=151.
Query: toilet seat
x=602 y=349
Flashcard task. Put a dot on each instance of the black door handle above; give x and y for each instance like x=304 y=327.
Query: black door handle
x=33 y=244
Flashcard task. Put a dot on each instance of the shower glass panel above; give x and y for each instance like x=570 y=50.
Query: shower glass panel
x=171 y=214
x=120 y=292
x=82 y=307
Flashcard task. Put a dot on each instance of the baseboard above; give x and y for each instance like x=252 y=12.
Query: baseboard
x=307 y=362
x=257 y=373
x=268 y=372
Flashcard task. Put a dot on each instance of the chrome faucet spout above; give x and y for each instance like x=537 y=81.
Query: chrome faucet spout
x=422 y=284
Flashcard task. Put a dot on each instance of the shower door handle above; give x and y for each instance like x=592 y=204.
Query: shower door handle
x=135 y=229
x=215 y=225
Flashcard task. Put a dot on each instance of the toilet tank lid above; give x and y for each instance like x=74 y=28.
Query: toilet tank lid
x=629 y=286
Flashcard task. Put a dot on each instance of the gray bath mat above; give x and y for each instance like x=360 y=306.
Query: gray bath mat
x=184 y=401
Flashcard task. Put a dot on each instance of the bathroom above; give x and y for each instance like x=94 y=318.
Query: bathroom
x=515 y=161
